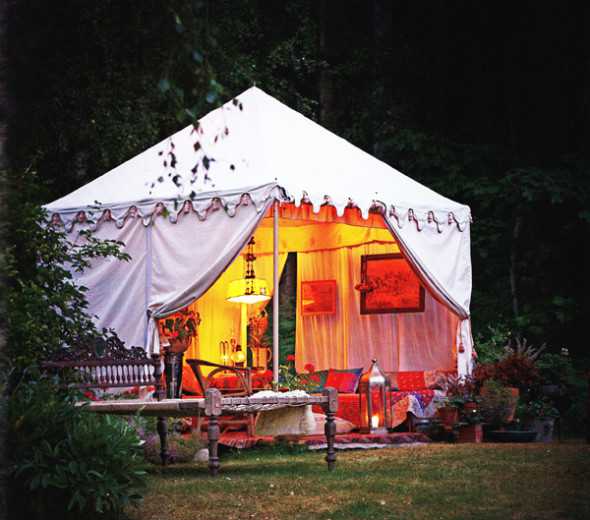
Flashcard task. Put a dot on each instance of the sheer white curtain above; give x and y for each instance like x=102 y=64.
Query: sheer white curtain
x=347 y=339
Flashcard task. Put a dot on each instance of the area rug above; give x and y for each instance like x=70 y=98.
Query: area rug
x=241 y=440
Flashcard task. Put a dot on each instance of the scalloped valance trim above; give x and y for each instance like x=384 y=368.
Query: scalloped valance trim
x=208 y=203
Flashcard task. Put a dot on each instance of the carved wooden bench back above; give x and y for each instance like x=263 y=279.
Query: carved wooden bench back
x=112 y=366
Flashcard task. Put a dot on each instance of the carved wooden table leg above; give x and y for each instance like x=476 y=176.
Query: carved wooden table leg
x=213 y=411
x=162 y=427
x=330 y=408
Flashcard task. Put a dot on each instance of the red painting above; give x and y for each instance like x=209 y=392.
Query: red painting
x=389 y=285
x=318 y=297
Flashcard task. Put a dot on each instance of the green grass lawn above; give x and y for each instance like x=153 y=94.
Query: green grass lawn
x=438 y=481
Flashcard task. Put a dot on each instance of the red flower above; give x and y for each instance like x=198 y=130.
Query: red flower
x=90 y=395
x=290 y=358
x=309 y=368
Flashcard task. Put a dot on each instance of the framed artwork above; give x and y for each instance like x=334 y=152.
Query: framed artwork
x=318 y=297
x=389 y=285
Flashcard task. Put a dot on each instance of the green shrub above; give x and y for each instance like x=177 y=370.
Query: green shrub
x=69 y=462
x=491 y=344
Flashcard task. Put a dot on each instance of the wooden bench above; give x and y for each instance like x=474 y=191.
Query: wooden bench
x=214 y=405
x=109 y=364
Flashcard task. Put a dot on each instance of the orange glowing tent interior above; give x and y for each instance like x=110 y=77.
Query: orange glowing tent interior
x=330 y=247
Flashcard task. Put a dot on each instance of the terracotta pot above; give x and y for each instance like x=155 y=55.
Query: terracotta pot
x=449 y=416
x=178 y=345
x=510 y=409
x=471 y=433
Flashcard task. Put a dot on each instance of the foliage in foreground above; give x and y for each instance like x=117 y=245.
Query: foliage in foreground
x=63 y=462
x=68 y=462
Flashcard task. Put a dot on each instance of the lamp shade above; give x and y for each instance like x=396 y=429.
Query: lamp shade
x=248 y=290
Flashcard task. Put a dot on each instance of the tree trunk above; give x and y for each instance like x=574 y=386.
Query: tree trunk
x=380 y=27
x=513 y=261
x=325 y=81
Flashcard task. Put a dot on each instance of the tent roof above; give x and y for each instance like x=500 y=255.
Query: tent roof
x=254 y=141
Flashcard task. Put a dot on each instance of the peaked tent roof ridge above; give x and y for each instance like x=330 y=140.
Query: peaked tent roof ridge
x=255 y=141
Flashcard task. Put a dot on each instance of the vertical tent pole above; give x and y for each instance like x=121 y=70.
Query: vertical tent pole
x=275 y=297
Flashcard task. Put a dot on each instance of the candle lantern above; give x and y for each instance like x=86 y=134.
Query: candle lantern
x=375 y=400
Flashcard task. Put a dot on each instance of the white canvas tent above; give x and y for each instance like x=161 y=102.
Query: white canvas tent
x=186 y=207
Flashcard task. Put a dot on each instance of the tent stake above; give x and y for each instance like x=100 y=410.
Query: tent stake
x=275 y=297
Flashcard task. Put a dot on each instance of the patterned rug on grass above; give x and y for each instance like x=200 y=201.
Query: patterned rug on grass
x=241 y=440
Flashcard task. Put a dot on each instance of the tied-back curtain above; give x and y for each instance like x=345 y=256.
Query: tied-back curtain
x=440 y=253
x=347 y=339
x=189 y=256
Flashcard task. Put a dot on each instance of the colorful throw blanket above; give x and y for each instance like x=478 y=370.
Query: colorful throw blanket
x=422 y=403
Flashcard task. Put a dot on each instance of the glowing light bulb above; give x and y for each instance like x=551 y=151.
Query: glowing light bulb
x=375 y=421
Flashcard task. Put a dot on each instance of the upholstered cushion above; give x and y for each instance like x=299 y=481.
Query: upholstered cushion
x=345 y=381
x=319 y=379
x=342 y=425
x=411 y=380
x=190 y=384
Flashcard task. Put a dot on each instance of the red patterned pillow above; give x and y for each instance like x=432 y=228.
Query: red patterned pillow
x=344 y=381
x=408 y=381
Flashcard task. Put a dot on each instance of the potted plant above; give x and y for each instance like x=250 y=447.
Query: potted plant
x=539 y=415
x=498 y=403
x=470 y=426
x=447 y=409
x=517 y=371
x=289 y=379
x=179 y=328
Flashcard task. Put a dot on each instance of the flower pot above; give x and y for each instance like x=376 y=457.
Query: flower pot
x=507 y=413
x=449 y=416
x=544 y=428
x=179 y=345
x=470 y=433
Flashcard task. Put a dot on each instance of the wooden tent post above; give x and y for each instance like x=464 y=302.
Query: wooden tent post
x=275 y=298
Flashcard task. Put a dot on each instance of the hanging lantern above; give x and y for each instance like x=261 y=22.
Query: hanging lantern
x=248 y=289
x=375 y=400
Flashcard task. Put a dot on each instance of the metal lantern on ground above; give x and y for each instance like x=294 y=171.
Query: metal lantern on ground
x=375 y=400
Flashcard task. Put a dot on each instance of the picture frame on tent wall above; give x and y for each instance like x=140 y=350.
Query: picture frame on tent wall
x=318 y=297
x=389 y=285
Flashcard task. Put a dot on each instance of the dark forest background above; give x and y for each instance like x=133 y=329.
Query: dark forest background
x=485 y=102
